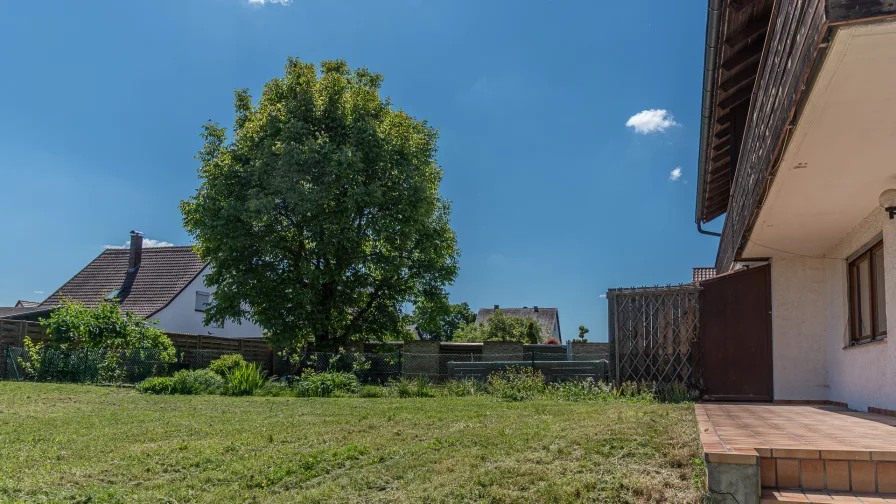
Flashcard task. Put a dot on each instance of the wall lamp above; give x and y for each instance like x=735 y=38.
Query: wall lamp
x=888 y=202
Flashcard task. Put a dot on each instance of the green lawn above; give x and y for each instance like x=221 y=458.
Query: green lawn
x=62 y=443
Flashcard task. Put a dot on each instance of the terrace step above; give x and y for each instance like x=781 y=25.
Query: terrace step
x=793 y=496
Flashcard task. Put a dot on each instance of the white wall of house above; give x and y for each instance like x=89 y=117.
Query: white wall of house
x=181 y=315
x=810 y=325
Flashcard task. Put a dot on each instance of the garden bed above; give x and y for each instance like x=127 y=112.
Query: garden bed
x=106 y=444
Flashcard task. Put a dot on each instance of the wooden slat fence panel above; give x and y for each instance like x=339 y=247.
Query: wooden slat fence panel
x=655 y=331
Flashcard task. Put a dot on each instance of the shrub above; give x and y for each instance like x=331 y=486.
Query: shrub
x=200 y=381
x=226 y=363
x=518 y=383
x=155 y=385
x=274 y=388
x=370 y=391
x=638 y=392
x=326 y=384
x=414 y=387
x=675 y=392
x=245 y=379
x=466 y=387
x=581 y=390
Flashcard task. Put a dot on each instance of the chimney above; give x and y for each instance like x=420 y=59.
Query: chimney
x=496 y=307
x=136 y=250
x=535 y=308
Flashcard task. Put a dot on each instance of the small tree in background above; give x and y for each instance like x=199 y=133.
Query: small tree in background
x=582 y=332
x=439 y=321
x=500 y=327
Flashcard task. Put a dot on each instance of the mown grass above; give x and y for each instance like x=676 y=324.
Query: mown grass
x=63 y=443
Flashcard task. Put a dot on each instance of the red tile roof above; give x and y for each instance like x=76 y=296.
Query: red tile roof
x=162 y=274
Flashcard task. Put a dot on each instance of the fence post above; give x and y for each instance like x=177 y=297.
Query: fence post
x=400 y=364
x=5 y=365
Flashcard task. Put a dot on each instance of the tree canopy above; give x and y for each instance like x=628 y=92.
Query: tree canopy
x=439 y=321
x=322 y=217
x=500 y=327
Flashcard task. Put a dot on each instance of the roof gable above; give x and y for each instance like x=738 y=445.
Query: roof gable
x=163 y=273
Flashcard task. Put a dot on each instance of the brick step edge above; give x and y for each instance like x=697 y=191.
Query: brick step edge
x=795 y=496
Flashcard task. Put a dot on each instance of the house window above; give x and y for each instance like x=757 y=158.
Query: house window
x=867 y=303
x=202 y=300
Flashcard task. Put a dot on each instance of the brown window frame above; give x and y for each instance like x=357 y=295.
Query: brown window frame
x=853 y=278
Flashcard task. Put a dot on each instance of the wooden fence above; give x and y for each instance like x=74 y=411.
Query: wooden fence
x=653 y=333
x=196 y=349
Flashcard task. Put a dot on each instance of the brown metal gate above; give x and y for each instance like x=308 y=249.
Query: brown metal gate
x=736 y=336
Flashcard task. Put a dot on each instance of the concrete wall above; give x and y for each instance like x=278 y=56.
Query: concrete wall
x=810 y=325
x=499 y=351
x=180 y=315
x=590 y=351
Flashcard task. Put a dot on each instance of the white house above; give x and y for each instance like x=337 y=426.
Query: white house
x=800 y=158
x=160 y=283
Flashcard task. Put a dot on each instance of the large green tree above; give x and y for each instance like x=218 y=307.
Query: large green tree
x=322 y=216
x=500 y=327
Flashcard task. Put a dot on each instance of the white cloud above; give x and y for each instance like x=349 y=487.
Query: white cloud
x=262 y=2
x=651 y=121
x=675 y=174
x=603 y=296
x=147 y=243
x=38 y=292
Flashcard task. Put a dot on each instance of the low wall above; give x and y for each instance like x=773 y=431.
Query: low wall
x=588 y=351
x=553 y=371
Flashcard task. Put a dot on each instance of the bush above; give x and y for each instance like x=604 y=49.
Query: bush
x=517 y=383
x=200 y=381
x=581 y=390
x=675 y=393
x=226 y=363
x=552 y=341
x=373 y=392
x=274 y=388
x=155 y=385
x=414 y=387
x=245 y=379
x=638 y=392
x=466 y=387
x=326 y=384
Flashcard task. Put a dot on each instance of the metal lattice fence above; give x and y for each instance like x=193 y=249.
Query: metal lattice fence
x=655 y=331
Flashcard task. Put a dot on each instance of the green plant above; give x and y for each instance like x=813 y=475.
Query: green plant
x=464 y=387
x=636 y=391
x=582 y=332
x=580 y=390
x=517 y=383
x=414 y=387
x=155 y=385
x=30 y=363
x=675 y=392
x=326 y=384
x=225 y=363
x=76 y=326
x=200 y=381
x=372 y=391
x=110 y=370
x=245 y=379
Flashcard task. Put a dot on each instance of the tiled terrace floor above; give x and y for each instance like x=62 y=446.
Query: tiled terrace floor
x=791 y=431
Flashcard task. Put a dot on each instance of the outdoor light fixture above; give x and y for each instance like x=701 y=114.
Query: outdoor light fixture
x=888 y=202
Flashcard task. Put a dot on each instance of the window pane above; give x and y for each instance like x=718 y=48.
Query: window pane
x=854 y=309
x=879 y=293
x=201 y=301
x=864 y=295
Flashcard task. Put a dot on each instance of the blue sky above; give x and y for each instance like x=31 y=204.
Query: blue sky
x=555 y=198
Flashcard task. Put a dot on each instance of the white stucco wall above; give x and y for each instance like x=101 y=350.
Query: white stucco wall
x=810 y=325
x=181 y=316
x=798 y=328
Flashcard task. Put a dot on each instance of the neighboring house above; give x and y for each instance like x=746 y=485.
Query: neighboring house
x=27 y=304
x=797 y=152
x=548 y=318
x=161 y=283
